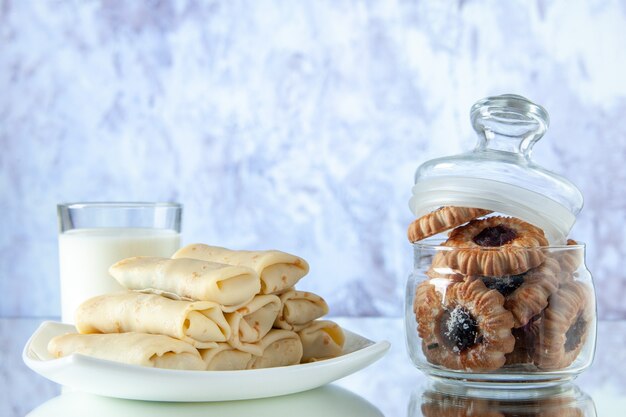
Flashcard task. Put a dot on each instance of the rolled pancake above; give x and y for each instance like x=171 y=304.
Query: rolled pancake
x=199 y=323
x=143 y=349
x=323 y=339
x=299 y=309
x=224 y=357
x=193 y=279
x=279 y=348
x=278 y=270
x=251 y=322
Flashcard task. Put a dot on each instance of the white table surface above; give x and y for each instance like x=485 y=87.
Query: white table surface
x=390 y=387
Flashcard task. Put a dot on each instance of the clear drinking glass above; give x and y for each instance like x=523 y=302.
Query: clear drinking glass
x=533 y=329
x=93 y=236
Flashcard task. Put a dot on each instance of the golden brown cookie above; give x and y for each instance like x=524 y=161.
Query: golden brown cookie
x=564 y=326
x=442 y=219
x=439 y=266
x=427 y=303
x=468 y=329
x=526 y=294
x=570 y=258
x=494 y=246
x=433 y=273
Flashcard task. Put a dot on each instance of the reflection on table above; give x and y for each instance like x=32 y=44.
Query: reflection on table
x=327 y=401
x=437 y=399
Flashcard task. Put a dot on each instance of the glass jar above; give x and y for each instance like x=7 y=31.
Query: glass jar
x=504 y=298
x=536 y=328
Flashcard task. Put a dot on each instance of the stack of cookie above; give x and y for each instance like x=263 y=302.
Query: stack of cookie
x=206 y=308
x=496 y=295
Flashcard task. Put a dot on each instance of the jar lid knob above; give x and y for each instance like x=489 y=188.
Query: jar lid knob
x=509 y=123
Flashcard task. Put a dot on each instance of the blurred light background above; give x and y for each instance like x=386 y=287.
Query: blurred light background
x=295 y=125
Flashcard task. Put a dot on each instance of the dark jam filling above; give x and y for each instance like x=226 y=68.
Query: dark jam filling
x=495 y=236
x=505 y=285
x=459 y=329
x=574 y=334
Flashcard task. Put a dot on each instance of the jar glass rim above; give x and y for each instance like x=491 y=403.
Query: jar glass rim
x=436 y=244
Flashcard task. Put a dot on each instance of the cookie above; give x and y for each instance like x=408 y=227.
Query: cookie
x=564 y=326
x=467 y=329
x=435 y=273
x=494 y=246
x=569 y=258
x=526 y=294
x=427 y=303
x=442 y=219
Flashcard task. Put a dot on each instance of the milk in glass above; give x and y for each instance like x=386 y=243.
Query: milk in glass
x=85 y=256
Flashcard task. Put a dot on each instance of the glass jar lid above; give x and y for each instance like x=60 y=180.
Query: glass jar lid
x=499 y=174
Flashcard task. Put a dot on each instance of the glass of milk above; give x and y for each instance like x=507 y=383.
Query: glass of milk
x=93 y=236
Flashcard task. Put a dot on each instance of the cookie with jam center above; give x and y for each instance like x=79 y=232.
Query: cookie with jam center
x=495 y=246
x=526 y=294
x=464 y=325
x=564 y=326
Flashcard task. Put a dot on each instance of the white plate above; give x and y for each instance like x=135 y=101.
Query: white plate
x=113 y=379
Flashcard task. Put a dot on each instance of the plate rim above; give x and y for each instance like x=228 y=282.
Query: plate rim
x=369 y=354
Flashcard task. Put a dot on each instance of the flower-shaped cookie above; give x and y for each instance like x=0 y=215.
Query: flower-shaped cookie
x=442 y=219
x=570 y=257
x=562 y=330
x=526 y=294
x=467 y=329
x=494 y=246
